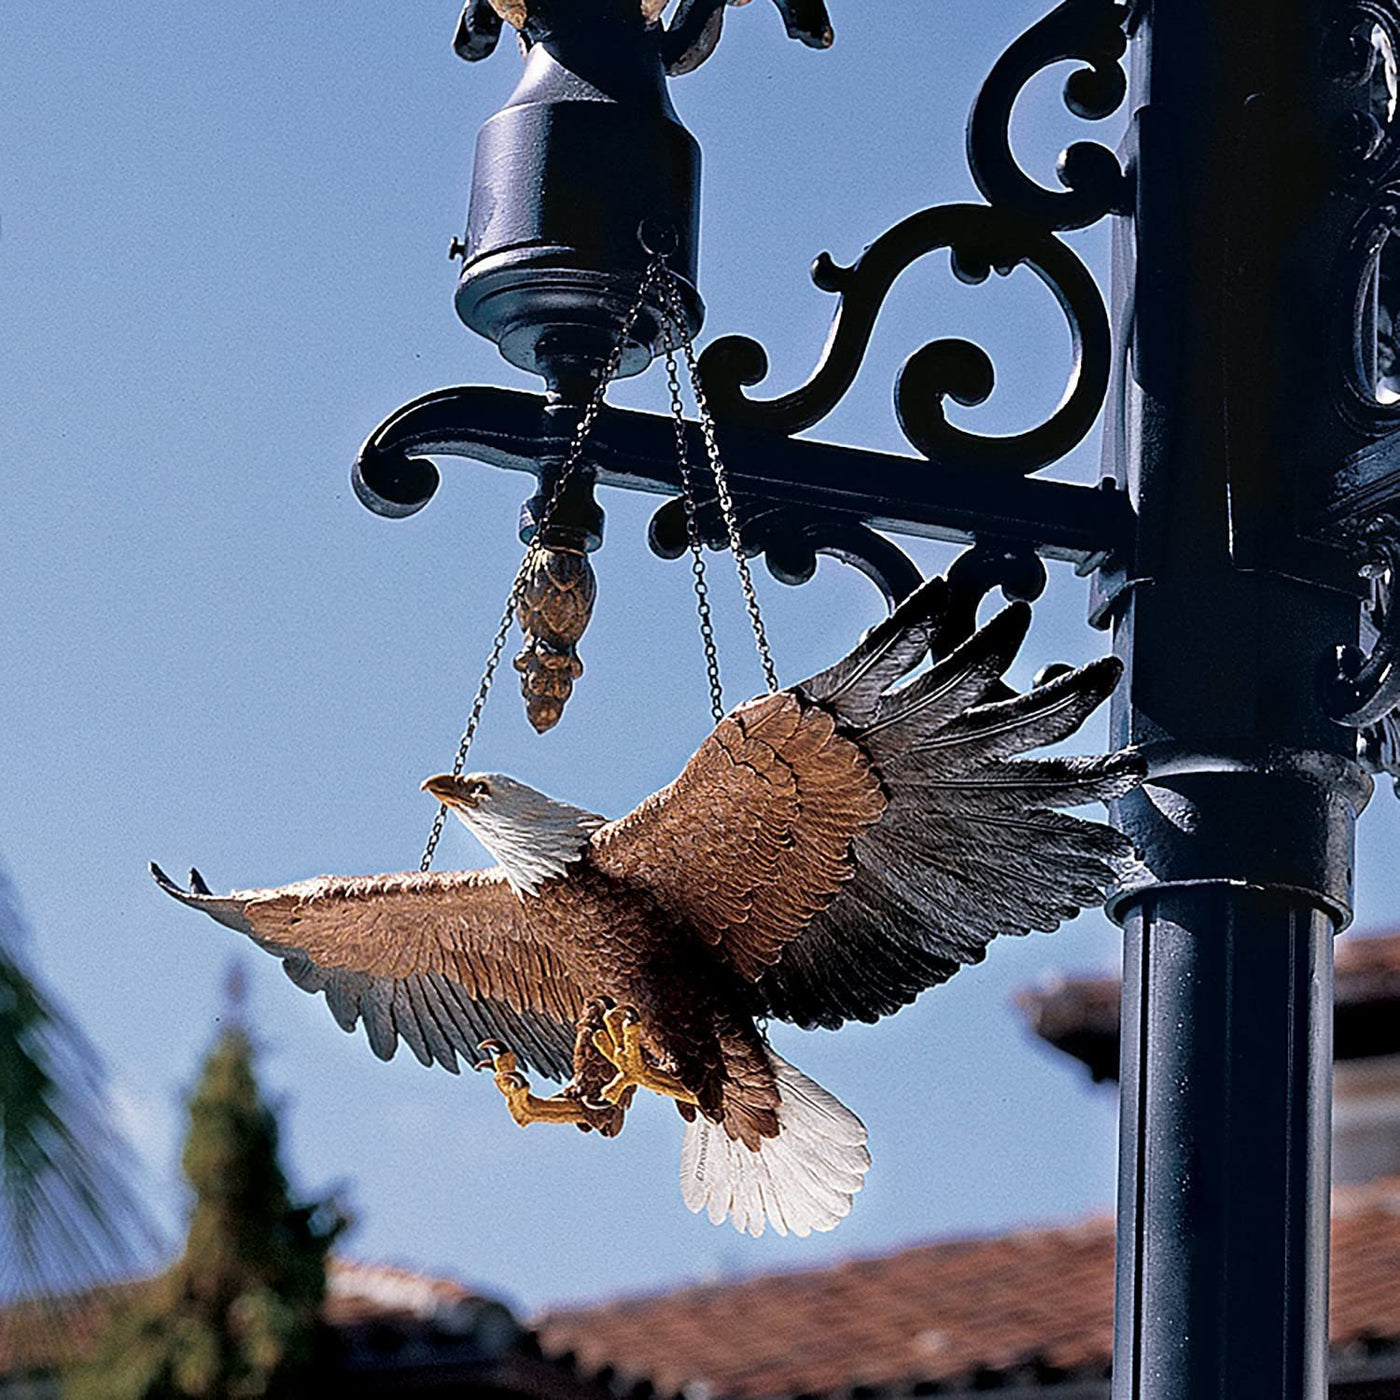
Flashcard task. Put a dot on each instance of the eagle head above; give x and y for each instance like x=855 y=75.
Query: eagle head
x=531 y=836
x=464 y=792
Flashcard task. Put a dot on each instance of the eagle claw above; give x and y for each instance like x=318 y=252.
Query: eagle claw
x=620 y=1043
x=524 y=1106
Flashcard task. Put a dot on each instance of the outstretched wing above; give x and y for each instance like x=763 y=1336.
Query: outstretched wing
x=754 y=838
x=443 y=959
x=851 y=841
x=970 y=844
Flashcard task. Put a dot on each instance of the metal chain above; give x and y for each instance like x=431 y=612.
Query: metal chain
x=721 y=476
x=582 y=428
x=692 y=533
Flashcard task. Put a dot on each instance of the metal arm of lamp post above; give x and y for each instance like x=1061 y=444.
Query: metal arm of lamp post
x=540 y=279
x=1244 y=545
x=798 y=497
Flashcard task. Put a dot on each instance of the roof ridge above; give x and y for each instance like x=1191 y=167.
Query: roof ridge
x=1089 y=1224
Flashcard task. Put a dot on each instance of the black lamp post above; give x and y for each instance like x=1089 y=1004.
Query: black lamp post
x=1242 y=542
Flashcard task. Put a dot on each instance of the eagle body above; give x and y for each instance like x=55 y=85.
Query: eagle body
x=625 y=948
x=830 y=851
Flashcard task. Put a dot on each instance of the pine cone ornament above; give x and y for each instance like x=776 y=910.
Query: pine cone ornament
x=555 y=607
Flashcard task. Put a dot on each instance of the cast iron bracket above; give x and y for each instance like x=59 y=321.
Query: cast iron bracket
x=798 y=498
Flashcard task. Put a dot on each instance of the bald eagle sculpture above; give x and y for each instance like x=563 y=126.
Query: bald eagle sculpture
x=830 y=851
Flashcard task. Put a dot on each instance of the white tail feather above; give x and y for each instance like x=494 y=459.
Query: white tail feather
x=800 y=1181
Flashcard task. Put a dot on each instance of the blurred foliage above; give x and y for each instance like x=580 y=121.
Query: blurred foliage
x=237 y=1315
x=69 y=1213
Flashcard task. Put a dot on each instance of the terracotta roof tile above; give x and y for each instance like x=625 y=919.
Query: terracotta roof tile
x=52 y=1333
x=34 y=1336
x=1039 y=1299
x=357 y=1292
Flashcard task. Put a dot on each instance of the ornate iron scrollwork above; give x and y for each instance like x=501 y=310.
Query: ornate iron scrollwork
x=790 y=539
x=1363 y=60
x=1368 y=357
x=981 y=239
x=790 y=542
x=1379 y=751
x=1095 y=185
x=1019 y=573
x=685 y=43
x=797 y=499
x=1017 y=227
x=1364 y=693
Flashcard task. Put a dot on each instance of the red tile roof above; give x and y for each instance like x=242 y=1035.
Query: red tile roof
x=52 y=1333
x=1039 y=1301
x=41 y=1336
x=357 y=1292
x=1368 y=968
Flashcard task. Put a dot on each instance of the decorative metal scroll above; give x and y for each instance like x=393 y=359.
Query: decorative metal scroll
x=1018 y=227
x=1363 y=60
x=790 y=539
x=1367 y=145
x=1019 y=573
x=797 y=499
x=1094 y=182
x=1365 y=691
x=685 y=43
x=1367 y=307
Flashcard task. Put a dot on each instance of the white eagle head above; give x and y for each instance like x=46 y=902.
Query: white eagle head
x=532 y=837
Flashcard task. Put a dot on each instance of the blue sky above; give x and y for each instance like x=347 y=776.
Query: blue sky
x=222 y=261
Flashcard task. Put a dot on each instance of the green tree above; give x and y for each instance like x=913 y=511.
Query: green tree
x=237 y=1315
x=68 y=1210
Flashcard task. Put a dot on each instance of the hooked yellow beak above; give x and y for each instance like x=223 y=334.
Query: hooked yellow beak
x=444 y=786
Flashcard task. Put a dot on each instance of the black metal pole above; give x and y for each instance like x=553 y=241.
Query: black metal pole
x=1246 y=825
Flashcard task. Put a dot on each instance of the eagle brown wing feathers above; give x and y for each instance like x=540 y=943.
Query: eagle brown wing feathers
x=443 y=959
x=754 y=838
x=858 y=838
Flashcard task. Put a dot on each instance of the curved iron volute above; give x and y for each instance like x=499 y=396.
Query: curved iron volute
x=686 y=41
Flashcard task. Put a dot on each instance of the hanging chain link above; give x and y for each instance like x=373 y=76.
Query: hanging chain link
x=721 y=476
x=692 y=533
x=582 y=428
x=674 y=323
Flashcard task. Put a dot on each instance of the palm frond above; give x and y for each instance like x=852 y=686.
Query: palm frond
x=69 y=1209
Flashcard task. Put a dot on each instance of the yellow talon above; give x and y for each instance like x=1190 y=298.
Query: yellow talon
x=620 y=1043
x=524 y=1106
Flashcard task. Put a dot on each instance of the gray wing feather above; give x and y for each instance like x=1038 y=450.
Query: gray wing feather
x=854 y=688
x=406 y=1022
x=968 y=847
x=438 y=1020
